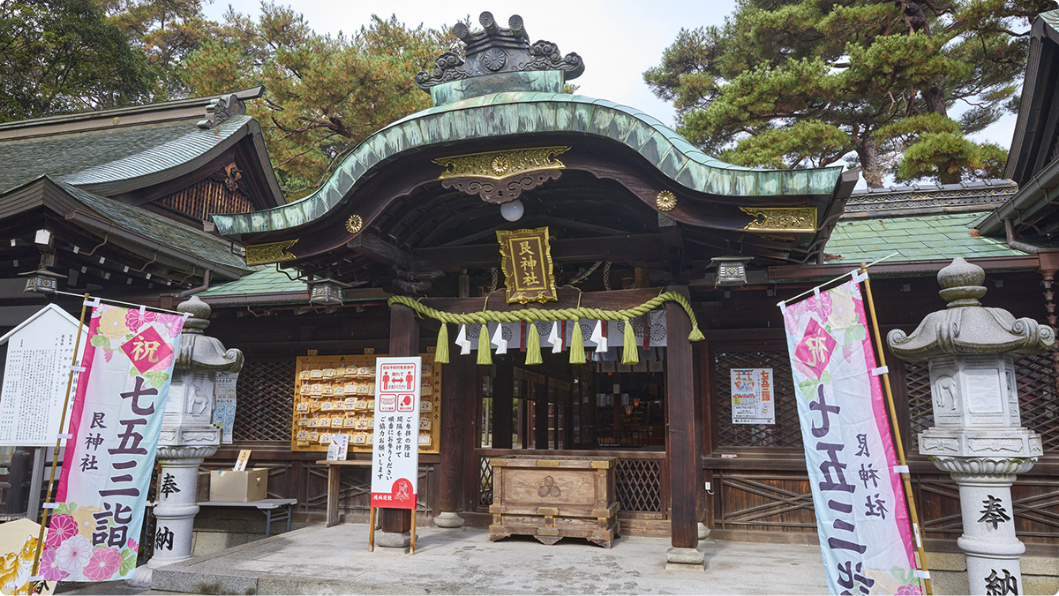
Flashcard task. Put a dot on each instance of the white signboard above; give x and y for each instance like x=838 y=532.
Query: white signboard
x=39 y=353
x=753 y=398
x=395 y=451
x=224 y=405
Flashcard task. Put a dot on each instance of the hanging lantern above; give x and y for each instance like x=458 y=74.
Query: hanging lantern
x=42 y=281
x=326 y=292
x=731 y=271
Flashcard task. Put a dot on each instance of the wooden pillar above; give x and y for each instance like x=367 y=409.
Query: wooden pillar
x=457 y=390
x=404 y=341
x=568 y=418
x=540 y=410
x=503 y=388
x=684 y=444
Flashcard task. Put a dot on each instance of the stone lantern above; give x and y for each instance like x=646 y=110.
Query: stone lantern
x=188 y=436
x=977 y=435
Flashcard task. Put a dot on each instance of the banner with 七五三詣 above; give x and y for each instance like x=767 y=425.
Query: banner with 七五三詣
x=115 y=421
x=858 y=497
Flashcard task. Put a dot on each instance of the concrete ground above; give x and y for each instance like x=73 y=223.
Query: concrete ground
x=318 y=560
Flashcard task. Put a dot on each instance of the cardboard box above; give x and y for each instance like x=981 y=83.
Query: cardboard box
x=241 y=487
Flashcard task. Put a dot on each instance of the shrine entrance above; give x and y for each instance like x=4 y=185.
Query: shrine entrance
x=600 y=408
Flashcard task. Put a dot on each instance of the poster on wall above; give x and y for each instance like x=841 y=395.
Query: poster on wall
x=115 y=421
x=394 y=454
x=858 y=497
x=752 y=396
x=37 y=370
x=224 y=410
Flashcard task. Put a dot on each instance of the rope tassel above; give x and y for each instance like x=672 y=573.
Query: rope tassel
x=631 y=354
x=441 y=353
x=533 y=345
x=485 y=356
x=577 y=345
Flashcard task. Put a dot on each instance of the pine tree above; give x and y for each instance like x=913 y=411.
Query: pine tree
x=324 y=94
x=800 y=83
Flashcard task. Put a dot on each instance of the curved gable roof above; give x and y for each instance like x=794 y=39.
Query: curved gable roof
x=505 y=114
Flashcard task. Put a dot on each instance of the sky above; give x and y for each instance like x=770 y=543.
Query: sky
x=617 y=39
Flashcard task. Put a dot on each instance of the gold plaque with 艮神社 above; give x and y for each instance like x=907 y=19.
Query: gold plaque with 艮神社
x=526 y=258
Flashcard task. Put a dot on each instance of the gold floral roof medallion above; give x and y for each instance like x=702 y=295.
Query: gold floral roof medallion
x=354 y=224
x=666 y=201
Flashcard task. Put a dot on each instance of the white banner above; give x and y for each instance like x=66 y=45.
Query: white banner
x=395 y=451
x=858 y=497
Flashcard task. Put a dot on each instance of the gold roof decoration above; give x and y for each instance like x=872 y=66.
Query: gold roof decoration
x=781 y=219
x=498 y=165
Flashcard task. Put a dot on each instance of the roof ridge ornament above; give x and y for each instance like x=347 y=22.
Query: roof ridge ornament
x=495 y=49
x=220 y=109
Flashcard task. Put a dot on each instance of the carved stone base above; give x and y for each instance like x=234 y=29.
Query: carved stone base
x=685 y=558
x=447 y=519
x=393 y=539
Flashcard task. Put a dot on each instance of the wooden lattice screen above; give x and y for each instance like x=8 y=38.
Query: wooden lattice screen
x=1038 y=397
x=485 y=483
x=786 y=432
x=638 y=483
x=266 y=401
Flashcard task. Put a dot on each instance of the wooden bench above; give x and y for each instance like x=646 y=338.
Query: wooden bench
x=266 y=506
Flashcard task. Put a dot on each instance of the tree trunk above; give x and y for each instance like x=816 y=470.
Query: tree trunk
x=935 y=100
x=868 y=156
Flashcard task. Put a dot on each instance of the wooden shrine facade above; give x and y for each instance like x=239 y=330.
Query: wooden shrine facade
x=632 y=210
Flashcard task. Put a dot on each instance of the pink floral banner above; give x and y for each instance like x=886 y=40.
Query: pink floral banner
x=115 y=423
x=858 y=496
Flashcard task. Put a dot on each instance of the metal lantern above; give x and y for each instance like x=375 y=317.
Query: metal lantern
x=42 y=281
x=326 y=292
x=731 y=271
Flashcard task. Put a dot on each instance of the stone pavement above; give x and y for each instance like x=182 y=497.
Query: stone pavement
x=318 y=560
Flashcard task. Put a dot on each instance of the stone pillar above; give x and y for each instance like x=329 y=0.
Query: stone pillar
x=187 y=437
x=978 y=436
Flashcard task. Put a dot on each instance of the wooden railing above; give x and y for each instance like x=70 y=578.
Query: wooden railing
x=641 y=479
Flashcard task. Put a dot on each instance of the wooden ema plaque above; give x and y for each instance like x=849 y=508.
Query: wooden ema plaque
x=336 y=395
x=553 y=498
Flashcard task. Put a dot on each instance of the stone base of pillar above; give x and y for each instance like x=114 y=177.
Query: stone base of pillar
x=704 y=532
x=447 y=519
x=685 y=558
x=393 y=539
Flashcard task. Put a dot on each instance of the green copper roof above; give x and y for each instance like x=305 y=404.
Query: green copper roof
x=209 y=248
x=263 y=281
x=916 y=238
x=109 y=155
x=504 y=114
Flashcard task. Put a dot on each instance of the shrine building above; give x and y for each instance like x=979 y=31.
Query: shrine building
x=510 y=195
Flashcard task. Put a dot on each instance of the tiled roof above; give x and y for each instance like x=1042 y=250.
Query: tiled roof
x=264 y=281
x=161 y=229
x=109 y=155
x=505 y=114
x=914 y=238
